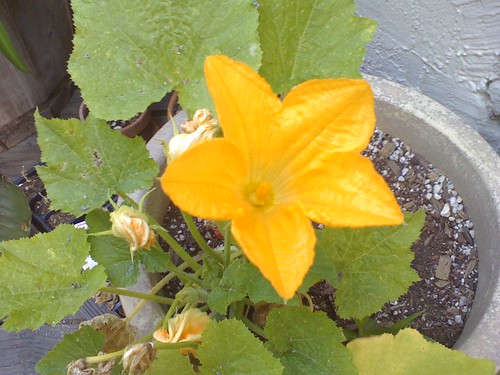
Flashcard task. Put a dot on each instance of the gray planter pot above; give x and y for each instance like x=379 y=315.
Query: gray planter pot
x=457 y=150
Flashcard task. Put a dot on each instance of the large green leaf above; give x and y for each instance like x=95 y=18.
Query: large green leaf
x=41 y=278
x=307 y=343
x=171 y=362
x=126 y=57
x=409 y=353
x=15 y=212
x=302 y=40
x=81 y=344
x=374 y=264
x=87 y=162
x=228 y=348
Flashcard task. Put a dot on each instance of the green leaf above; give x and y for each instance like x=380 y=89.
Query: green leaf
x=228 y=347
x=322 y=269
x=15 y=212
x=144 y=50
x=409 y=353
x=239 y=280
x=154 y=260
x=374 y=263
x=302 y=40
x=175 y=362
x=88 y=161
x=307 y=342
x=41 y=278
x=9 y=51
x=111 y=252
x=81 y=344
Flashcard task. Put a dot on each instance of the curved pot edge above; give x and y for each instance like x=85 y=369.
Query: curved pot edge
x=474 y=167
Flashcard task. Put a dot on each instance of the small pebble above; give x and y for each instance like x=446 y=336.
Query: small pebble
x=445 y=212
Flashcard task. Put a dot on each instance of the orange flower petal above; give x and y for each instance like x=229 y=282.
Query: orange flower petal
x=206 y=180
x=161 y=335
x=245 y=103
x=321 y=117
x=280 y=242
x=347 y=192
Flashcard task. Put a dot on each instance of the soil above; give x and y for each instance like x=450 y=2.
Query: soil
x=44 y=219
x=445 y=254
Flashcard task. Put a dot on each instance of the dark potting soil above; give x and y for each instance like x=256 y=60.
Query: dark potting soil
x=445 y=254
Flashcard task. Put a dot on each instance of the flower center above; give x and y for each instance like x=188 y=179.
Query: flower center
x=260 y=194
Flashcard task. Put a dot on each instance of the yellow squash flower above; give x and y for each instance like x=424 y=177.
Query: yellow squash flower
x=187 y=326
x=282 y=164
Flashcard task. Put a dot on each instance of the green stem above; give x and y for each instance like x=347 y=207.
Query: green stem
x=105 y=357
x=169 y=314
x=227 y=245
x=127 y=198
x=199 y=238
x=183 y=254
x=184 y=275
x=175 y=345
x=254 y=327
x=159 y=286
x=143 y=296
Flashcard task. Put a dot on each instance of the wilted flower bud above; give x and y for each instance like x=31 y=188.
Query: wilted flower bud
x=132 y=225
x=138 y=358
x=79 y=367
x=187 y=326
x=118 y=332
x=106 y=368
x=202 y=127
x=201 y=117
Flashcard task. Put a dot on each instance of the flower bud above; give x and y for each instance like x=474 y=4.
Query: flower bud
x=202 y=127
x=132 y=225
x=201 y=117
x=181 y=142
x=187 y=326
x=79 y=367
x=138 y=358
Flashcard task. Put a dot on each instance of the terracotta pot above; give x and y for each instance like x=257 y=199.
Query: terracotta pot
x=144 y=125
x=448 y=143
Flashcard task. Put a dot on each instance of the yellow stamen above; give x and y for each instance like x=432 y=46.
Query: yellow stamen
x=261 y=195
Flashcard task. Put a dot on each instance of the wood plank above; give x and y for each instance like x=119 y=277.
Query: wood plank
x=20 y=158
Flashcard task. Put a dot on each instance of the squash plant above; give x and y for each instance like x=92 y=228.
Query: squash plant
x=282 y=77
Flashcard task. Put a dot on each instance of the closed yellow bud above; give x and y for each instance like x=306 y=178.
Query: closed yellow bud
x=132 y=225
x=203 y=126
x=201 y=117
